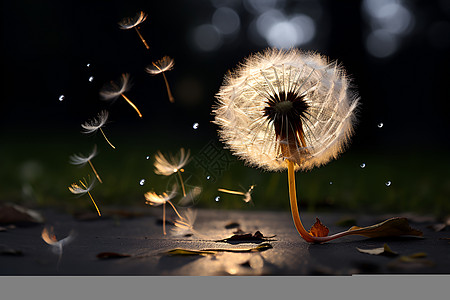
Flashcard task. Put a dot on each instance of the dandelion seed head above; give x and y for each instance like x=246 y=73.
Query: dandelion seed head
x=95 y=123
x=113 y=89
x=163 y=65
x=80 y=159
x=153 y=199
x=173 y=164
x=82 y=188
x=186 y=224
x=286 y=104
x=128 y=23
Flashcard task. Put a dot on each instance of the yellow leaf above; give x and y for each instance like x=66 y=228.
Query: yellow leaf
x=392 y=227
x=318 y=229
x=385 y=250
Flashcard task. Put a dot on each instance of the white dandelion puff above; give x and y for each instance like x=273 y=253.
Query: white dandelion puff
x=57 y=246
x=84 y=188
x=113 y=90
x=153 y=199
x=95 y=124
x=173 y=164
x=247 y=195
x=128 y=23
x=286 y=109
x=161 y=66
x=79 y=159
x=185 y=224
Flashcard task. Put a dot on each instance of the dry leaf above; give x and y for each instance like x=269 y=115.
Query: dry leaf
x=111 y=255
x=318 y=229
x=204 y=252
x=391 y=227
x=246 y=237
x=385 y=250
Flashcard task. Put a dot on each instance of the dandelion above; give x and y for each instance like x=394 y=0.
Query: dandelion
x=57 y=246
x=247 y=195
x=97 y=124
x=185 y=224
x=286 y=109
x=113 y=90
x=79 y=159
x=153 y=199
x=84 y=188
x=128 y=23
x=161 y=66
x=174 y=164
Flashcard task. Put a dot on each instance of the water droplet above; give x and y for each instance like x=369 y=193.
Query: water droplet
x=147 y=157
x=363 y=165
x=142 y=182
x=61 y=98
x=331 y=182
x=217 y=198
x=88 y=65
x=380 y=125
x=388 y=183
x=195 y=126
x=91 y=78
x=208 y=177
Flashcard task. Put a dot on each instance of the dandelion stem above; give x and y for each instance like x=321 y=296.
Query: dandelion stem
x=132 y=105
x=95 y=204
x=95 y=171
x=294 y=208
x=231 y=192
x=182 y=184
x=107 y=139
x=164 y=218
x=173 y=206
x=169 y=93
x=142 y=38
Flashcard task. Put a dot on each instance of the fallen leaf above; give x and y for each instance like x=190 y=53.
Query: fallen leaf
x=2 y=229
x=19 y=215
x=257 y=236
x=392 y=227
x=318 y=229
x=111 y=255
x=385 y=250
x=213 y=251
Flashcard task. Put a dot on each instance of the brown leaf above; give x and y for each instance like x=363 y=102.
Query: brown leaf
x=385 y=250
x=392 y=227
x=111 y=255
x=257 y=236
x=318 y=229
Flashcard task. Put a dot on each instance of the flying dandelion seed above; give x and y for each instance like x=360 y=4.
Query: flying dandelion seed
x=161 y=66
x=190 y=196
x=128 y=23
x=247 y=195
x=79 y=159
x=154 y=199
x=57 y=246
x=97 y=124
x=174 y=164
x=286 y=109
x=84 y=188
x=113 y=90
x=185 y=224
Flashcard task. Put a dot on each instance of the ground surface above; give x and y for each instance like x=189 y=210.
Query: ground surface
x=140 y=236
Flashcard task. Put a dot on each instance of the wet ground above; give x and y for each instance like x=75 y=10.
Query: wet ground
x=132 y=243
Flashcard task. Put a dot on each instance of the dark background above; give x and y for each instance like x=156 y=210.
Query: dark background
x=396 y=52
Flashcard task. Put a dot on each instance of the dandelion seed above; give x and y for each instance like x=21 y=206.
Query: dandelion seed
x=286 y=109
x=79 y=159
x=154 y=199
x=190 y=196
x=97 y=124
x=185 y=224
x=128 y=23
x=167 y=167
x=113 y=90
x=57 y=246
x=247 y=195
x=84 y=188
x=161 y=66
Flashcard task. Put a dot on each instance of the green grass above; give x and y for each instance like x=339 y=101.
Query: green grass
x=36 y=172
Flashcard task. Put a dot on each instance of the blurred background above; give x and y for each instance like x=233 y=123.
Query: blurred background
x=57 y=55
